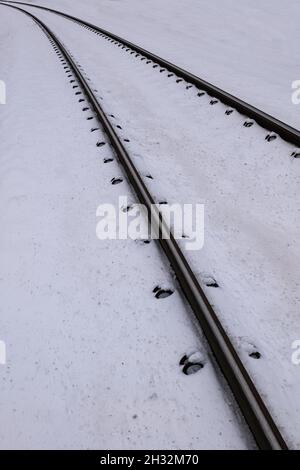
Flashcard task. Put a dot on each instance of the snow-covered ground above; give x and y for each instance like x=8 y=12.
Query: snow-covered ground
x=79 y=316
x=92 y=356
x=249 y=48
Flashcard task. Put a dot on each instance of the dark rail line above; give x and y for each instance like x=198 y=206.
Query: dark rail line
x=267 y=121
x=255 y=412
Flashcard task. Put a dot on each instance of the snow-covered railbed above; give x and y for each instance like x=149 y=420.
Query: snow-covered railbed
x=249 y=47
x=92 y=355
x=195 y=153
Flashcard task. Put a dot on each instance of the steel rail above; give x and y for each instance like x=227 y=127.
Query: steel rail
x=267 y=121
x=254 y=410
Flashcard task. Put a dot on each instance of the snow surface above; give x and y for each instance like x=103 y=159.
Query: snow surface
x=92 y=356
x=250 y=48
x=195 y=153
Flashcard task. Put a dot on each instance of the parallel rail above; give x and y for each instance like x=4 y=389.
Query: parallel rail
x=255 y=412
x=267 y=121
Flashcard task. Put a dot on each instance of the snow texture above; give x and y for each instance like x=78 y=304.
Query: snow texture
x=92 y=356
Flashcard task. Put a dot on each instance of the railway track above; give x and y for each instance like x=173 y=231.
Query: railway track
x=251 y=404
x=267 y=121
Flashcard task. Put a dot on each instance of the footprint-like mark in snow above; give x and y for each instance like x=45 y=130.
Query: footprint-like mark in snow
x=161 y=293
x=192 y=363
x=255 y=355
x=296 y=153
x=127 y=208
x=209 y=281
x=251 y=349
x=270 y=137
x=143 y=241
x=116 y=181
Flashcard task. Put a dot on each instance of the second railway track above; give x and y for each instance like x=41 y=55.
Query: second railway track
x=267 y=121
x=251 y=404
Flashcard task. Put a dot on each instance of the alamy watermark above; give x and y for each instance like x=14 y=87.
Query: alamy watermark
x=132 y=221
x=296 y=93
x=2 y=92
x=295 y=358
x=2 y=353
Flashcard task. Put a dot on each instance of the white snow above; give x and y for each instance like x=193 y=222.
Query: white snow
x=92 y=356
x=250 y=48
x=74 y=341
